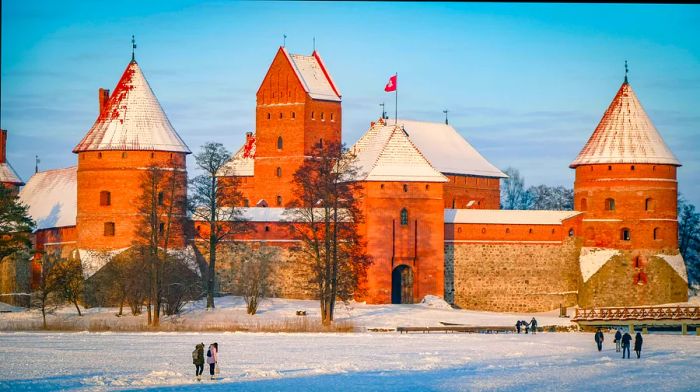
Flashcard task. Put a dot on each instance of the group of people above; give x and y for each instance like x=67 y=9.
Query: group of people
x=522 y=324
x=212 y=358
x=622 y=342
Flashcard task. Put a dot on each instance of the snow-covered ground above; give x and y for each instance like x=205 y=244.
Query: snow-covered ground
x=230 y=314
x=340 y=362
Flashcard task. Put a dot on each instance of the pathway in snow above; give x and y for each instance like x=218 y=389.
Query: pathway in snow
x=362 y=361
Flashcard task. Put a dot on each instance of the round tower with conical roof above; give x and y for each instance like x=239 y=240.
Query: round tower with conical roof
x=627 y=189
x=131 y=134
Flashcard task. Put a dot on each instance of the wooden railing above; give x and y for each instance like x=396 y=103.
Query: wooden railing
x=639 y=313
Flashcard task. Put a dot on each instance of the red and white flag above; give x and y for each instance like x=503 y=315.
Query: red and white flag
x=391 y=86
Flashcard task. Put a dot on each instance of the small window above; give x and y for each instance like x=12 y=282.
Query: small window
x=246 y=203
x=554 y=231
x=153 y=155
x=653 y=168
x=105 y=198
x=625 y=234
x=160 y=198
x=269 y=116
x=584 y=204
x=294 y=115
x=405 y=188
x=404 y=217
x=609 y=167
x=124 y=155
x=657 y=233
x=610 y=204
x=280 y=114
x=507 y=230
x=313 y=115
x=571 y=232
x=483 y=230
x=279 y=172
x=279 y=200
x=649 y=204
x=99 y=155
x=454 y=202
x=161 y=228
x=267 y=228
x=427 y=187
x=530 y=231
x=280 y=143
x=381 y=186
x=632 y=167
x=322 y=118
x=332 y=117
x=109 y=229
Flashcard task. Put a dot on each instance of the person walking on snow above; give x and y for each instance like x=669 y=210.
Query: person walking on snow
x=599 y=339
x=525 y=325
x=638 y=344
x=213 y=358
x=533 y=325
x=626 y=339
x=618 y=340
x=517 y=326
x=198 y=360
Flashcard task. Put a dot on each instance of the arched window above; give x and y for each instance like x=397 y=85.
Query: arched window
x=105 y=198
x=625 y=234
x=280 y=143
x=610 y=204
x=404 y=216
x=657 y=233
x=584 y=204
x=294 y=115
x=649 y=204
x=279 y=200
x=405 y=188
x=279 y=172
x=571 y=232
x=109 y=229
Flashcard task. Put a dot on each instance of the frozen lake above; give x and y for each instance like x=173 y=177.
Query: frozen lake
x=360 y=361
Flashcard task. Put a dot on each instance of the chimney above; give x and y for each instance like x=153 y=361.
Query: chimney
x=3 y=145
x=102 y=97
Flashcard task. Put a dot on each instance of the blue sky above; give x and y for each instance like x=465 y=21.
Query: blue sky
x=526 y=84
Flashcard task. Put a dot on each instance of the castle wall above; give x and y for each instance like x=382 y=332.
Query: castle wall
x=472 y=192
x=512 y=277
x=617 y=283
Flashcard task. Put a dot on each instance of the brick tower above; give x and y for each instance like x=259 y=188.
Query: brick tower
x=130 y=134
x=626 y=187
x=298 y=106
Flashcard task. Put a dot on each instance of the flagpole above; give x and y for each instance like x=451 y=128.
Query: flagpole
x=396 y=104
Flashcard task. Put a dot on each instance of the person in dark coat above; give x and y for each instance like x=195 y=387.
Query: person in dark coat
x=618 y=340
x=517 y=326
x=533 y=325
x=599 y=339
x=638 y=344
x=525 y=325
x=198 y=360
x=626 y=339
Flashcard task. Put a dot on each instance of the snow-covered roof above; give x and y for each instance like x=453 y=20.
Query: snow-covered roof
x=625 y=134
x=592 y=259
x=52 y=197
x=385 y=153
x=510 y=217
x=9 y=175
x=314 y=77
x=447 y=150
x=132 y=119
x=242 y=163
x=676 y=262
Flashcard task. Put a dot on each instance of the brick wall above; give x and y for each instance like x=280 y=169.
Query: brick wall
x=461 y=190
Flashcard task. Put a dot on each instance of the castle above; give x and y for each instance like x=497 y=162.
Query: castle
x=430 y=200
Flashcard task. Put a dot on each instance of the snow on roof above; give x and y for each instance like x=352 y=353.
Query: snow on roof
x=242 y=163
x=676 y=262
x=447 y=150
x=93 y=260
x=511 y=217
x=593 y=259
x=625 y=134
x=52 y=197
x=9 y=175
x=385 y=153
x=132 y=119
x=313 y=76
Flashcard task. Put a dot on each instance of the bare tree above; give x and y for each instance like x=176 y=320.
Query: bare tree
x=513 y=193
x=214 y=201
x=327 y=214
x=70 y=284
x=44 y=297
x=180 y=284
x=255 y=273
x=161 y=204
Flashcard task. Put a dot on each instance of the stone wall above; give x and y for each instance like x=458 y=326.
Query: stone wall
x=614 y=284
x=526 y=277
x=14 y=280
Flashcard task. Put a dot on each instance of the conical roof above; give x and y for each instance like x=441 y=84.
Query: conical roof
x=132 y=119
x=625 y=134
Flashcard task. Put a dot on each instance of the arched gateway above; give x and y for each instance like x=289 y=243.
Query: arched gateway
x=402 y=285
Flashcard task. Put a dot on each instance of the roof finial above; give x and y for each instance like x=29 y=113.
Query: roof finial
x=445 y=111
x=314 y=44
x=384 y=117
x=626 y=71
x=36 y=163
x=133 y=48
x=284 y=40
